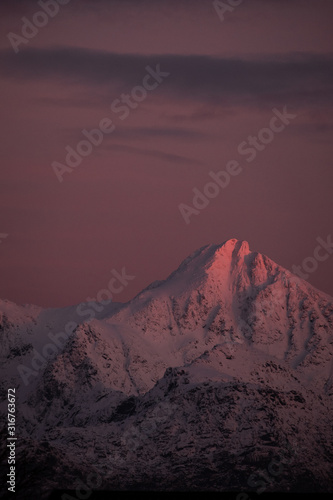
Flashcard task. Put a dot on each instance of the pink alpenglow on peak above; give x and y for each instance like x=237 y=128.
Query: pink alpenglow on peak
x=235 y=248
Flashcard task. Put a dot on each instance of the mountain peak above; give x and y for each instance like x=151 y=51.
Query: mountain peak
x=233 y=248
x=229 y=251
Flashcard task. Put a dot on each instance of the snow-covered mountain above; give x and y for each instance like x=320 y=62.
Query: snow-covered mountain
x=211 y=377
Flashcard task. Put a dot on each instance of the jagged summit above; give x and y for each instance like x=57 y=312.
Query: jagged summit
x=231 y=257
x=235 y=247
x=209 y=261
x=229 y=251
x=222 y=268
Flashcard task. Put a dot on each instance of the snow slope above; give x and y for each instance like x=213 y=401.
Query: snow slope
x=231 y=352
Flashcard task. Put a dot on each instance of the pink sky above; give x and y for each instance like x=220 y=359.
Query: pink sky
x=120 y=207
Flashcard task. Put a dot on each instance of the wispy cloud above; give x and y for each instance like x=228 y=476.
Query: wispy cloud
x=300 y=78
x=151 y=132
x=161 y=155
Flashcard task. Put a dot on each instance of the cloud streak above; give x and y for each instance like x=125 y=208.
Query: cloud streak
x=153 y=132
x=153 y=153
x=301 y=78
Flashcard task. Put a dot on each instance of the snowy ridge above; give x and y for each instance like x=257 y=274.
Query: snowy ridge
x=231 y=351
